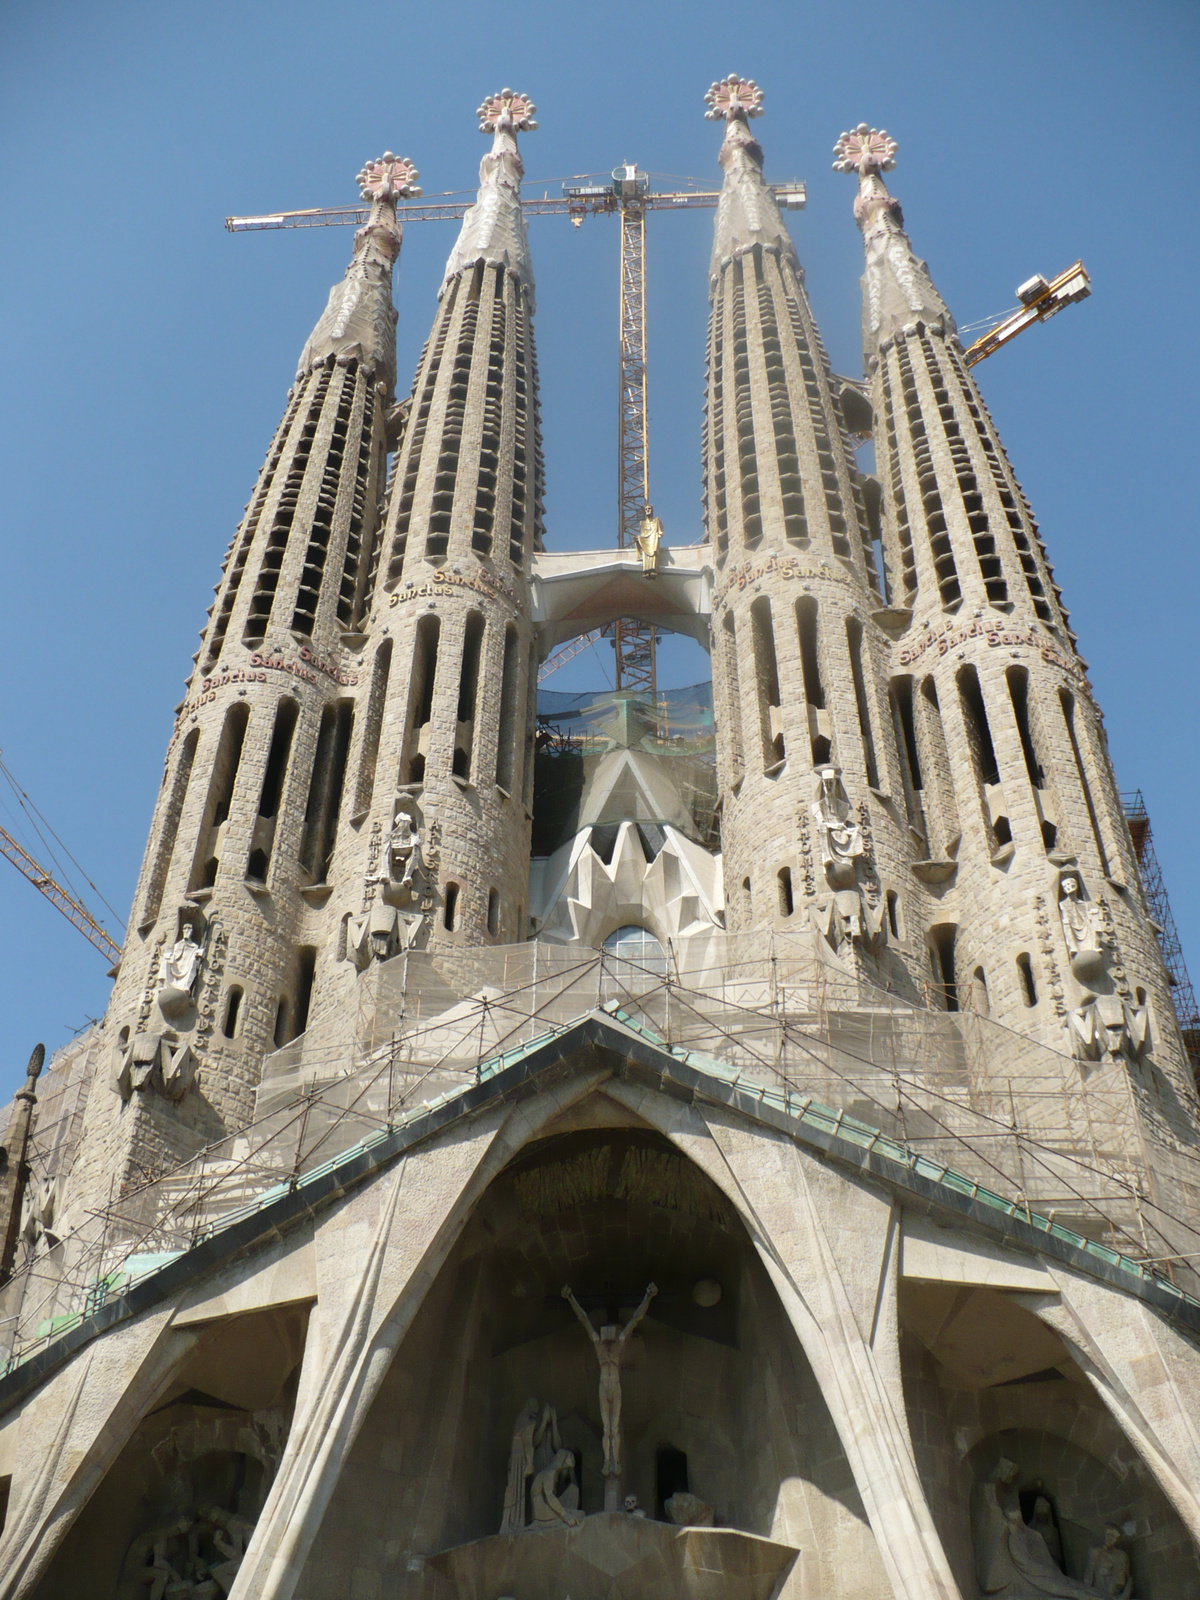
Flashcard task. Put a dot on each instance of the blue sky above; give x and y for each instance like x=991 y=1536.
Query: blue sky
x=147 y=352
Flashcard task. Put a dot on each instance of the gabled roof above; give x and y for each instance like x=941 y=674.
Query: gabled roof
x=635 y=1055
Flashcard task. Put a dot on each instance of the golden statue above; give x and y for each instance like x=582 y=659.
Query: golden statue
x=648 y=538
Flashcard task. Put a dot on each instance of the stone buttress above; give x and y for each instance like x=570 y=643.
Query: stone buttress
x=452 y=656
x=797 y=655
x=1032 y=907
x=228 y=916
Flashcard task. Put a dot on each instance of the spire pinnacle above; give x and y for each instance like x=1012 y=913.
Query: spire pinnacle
x=747 y=213
x=359 y=322
x=897 y=288
x=493 y=230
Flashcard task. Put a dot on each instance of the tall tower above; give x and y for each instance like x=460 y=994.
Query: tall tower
x=798 y=659
x=219 y=961
x=1032 y=907
x=452 y=648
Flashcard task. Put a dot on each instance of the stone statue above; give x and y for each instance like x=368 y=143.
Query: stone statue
x=230 y=1536
x=1086 y=937
x=1043 y=1522
x=1108 y=1567
x=1106 y=1026
x=648 y=538
x=1012 y=1559
x=534 y=1423
x=405 y=860
x=839 y=837
x=180 y=971
x=552 y=1508
x=688 y=1510
x=632 y=1509
x=609 y=1345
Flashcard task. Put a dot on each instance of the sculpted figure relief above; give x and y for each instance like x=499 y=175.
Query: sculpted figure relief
x=555 y=1494
x=609 y=1345
x=1013 y=1560
x=180 y=971
x=1108 y=1567
x=1086 y=938
x=535 y=1423
x=648 y=538
x=404 y=851
x=839 y=837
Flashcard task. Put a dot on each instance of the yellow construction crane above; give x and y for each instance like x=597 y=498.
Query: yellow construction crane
x=627 y=192
x=75 y=912
x=1039 y=302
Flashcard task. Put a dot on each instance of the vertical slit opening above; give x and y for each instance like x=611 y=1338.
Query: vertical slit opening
x=1025 y=973
x=170 y=826
x=1067 y=700
x=468 y=689
x=786 y=902
x=220 y=797
x=325 y=789
x=854 y=638
x=381 y=669
x=306 y=971
x=1018 y=691
x=493 y=912
x=450 y=910
x=767 y=673
x=233 y=1006
x=506 y=749
x=941 y=946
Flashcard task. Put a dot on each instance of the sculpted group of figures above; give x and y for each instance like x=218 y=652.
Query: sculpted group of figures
x=538 y=1462
x=1018 y=1560
x=195 y=1558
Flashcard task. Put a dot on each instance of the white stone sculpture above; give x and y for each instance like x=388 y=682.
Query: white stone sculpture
x=405 y=858
x=1013 y=1561
x=534 y=1423
x=554 y=1504
x=156 y=1061
x=180 y=971
x=1108 y=1027
x=609 y=1345
x=839 y=837
x=1086 y=937
x=1108 y=1567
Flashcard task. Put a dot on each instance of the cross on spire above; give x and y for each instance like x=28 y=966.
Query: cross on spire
x=733 y=99
x=389 y=178
x=865 y=150
x=507 y=112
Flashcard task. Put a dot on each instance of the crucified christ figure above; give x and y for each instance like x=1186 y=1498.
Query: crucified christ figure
x=609 y=1345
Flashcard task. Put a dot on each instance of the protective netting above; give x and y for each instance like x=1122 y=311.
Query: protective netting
x=760 y=1009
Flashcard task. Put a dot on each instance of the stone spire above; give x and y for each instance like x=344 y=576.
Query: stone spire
x=230 y=914
x=14 y=1175
x=747 y=213
x=493 y=230
x=359 y=323
x=800 y=705
x=897 y=288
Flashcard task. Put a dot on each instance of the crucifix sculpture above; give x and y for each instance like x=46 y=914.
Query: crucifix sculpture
x=609 y=1345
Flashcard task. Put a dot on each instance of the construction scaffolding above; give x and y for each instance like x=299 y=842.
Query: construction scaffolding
x=953 y=1095
x=1182 y=993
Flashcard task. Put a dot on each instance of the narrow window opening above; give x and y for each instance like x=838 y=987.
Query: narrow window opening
x=281 y=1021
x=325 y=789
x=1002 y=828
x=747 y=897
x=233 y=1006
x=450 y=911
x=902 y=699
x=786 y=902
x=893 y=913
x=979 y=992
x=854 y=638
x=420 y=696
x=767 y=672
x=941 y=940
x=814 y=689
x=307 y=971
x=506 y=749
x=468 y=688
x=1068 y=705
x=733 y=700
x=493 y=912
x=978 y=729
x=670 y=1477
x=1018 y=689
x=381 y=669
x=1025 y=972
x=170 y=827
x=1049 y=836
x=277 y=757
x=220 y=797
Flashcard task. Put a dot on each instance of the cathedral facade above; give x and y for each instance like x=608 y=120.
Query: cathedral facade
x=742 y=1147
